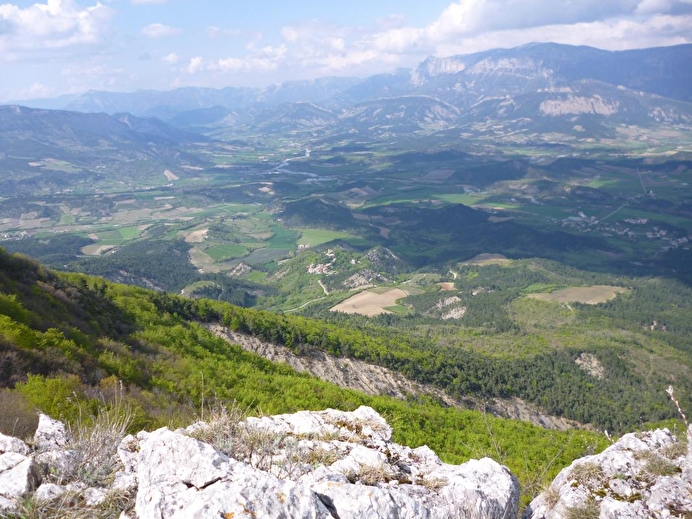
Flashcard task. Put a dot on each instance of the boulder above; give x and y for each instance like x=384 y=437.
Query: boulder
x=180 y=477
x=19 y=475
x=50 y=434
x=312 y=465
x=49 y=491
x=642 y=475
x=11 y=444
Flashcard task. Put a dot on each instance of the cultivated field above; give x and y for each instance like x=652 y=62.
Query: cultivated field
x=588 y=295
x=370 y=302
x=197 y=236
x=487 y=259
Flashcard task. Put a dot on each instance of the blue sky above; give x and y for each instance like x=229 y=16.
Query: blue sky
x=54 y=47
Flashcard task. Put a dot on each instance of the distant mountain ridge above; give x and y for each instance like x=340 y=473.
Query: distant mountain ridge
x=536 y=88
x=664 y=71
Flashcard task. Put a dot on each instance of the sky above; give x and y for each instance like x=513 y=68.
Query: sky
x=70 y=46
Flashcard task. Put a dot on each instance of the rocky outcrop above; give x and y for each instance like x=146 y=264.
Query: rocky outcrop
x=328 y=464
x=345 y=372
x=643 y=475
x=377 y=380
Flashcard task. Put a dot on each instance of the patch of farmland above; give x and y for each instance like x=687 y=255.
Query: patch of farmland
x=315 y=237
x=487 y=259
x=439 y=174
x=196 y=236
x=170 y=176
x=370 y=302
x=96 y=249
x=588 y=295
x=226 y=251
x=266 y=255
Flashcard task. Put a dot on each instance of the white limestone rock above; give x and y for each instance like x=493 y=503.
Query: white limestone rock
x=11 y=444
x=19 y=475
x=640 y=476
x=180 y=477
x=128 y=453
x=50 y=434
x=363 y=425
x=57 y=461
x=94 y=496
x=479 y=488
x=7 y=505
x=49 y=491
x=316 y=465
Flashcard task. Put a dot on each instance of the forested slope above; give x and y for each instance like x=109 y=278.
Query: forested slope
x=70 y=344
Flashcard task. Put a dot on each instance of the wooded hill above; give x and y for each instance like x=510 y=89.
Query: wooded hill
x=70 y=344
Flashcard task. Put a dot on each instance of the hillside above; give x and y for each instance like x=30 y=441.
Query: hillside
x=68 y=339
x=51 y=151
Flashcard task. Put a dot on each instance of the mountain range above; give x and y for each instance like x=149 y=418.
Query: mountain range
x=634 y=87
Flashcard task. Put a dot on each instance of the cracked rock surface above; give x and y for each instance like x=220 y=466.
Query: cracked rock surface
x=642 y=475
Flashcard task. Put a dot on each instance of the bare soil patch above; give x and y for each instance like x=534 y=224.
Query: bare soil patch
x=487 y=259
x=588 y=295
x=96 y=250
x=447 y=286
x=439 y=174
x=370 y=302
x=170 y=175
x=589 y=363
x=196 y=236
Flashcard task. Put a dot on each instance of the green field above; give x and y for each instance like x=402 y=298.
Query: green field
x=459 y=198
x=283 y=238
x=226 y=251
x=129 y=233
x=263 y=256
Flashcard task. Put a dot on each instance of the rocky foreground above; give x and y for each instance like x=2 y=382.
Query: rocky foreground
x=328 y=464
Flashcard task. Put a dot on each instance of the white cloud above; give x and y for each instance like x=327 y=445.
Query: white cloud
x=267 y=59
x=56 y=24
x=314 y=48
x=213 y=32
x=158 y=30
x=97 y=73
x=171 y=58
x=473 y=25
x=136 y=2
x=35 y=91
x=660 y=30
x=196 y=64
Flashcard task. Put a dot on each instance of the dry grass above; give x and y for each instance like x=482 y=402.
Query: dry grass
x=588 y=295
x=72 y=505
x=371 y=475
x=588 y=472
x=656 y=465
x=94 y=446
x=590 y=510
x=370 y=303
x=286 y=456
x=551 y=496
x=675 y=450
x=487 y=259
